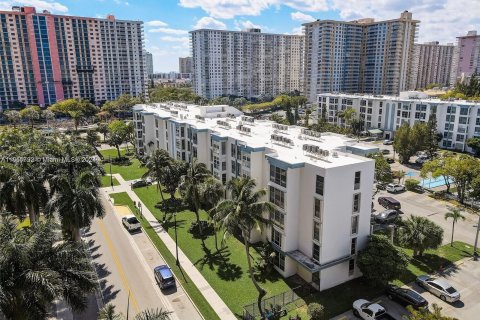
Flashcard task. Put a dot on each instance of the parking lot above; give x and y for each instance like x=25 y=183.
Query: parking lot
x=465 y=277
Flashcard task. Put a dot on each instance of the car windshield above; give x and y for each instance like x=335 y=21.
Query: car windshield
x=380 y=312
x=451 y=290
x=132 y=220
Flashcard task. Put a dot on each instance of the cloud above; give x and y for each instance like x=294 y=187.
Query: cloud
x=298 y=31
x=302 y=17
x=156 y=23
x=174 y=39
x=209 y=23
x=246 y=24
x=168 y=31
x=227 y=9
x=52 y=6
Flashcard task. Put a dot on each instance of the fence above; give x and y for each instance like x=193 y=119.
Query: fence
x=286 y=300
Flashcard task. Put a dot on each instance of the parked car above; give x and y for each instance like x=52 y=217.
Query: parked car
x=381 y=185
x=131 y=223
x=387 y=142
x=422 y=159
x=370 y=311
x=390 y=160
x=385 y=151
x=141 y=183
x=439 y=287
x=164 y=277
x=387 y=216
x=406 y=297
x=389 y=203
x=394 y=187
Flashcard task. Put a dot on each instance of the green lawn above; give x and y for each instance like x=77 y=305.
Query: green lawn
x=225 y=270
x=197 y=297
x=106 y=181
x=130 y=172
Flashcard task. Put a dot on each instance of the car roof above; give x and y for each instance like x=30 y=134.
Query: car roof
x=129 y=216
x=164 y=271
x=389 y=199
x=442 y=283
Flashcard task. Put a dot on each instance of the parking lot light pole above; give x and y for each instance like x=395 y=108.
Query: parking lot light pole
x=475 y=254
x=176 y=237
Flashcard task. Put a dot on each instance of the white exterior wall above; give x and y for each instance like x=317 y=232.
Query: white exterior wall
x=299 y=193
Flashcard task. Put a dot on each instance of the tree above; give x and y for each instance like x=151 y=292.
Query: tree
x=92 y=137
x=108 y=313
x=383 y=171
x=455 y=214
x=156 y=162
x=36 y=268
x=408 y=140
x=461 y=169
x=13 y=117
x=76 y=201
x=172 y=174
x=348 y=115
x=162 y=94
x=436 y=168
x=398 y=174
x=432 y=137
x=103 y=129
x=244 y=211
x=420 y=234
x=315 y=311
x=212 y=191
x=474 y=143
x=118 y=132
x=30 y=113
x=411 y=184
x=425 y=314
x=381 y=261
x=190 y=185
x=153 y=314
x=77 y=109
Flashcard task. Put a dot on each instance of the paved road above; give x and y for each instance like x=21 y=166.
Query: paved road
x=125 y=263
x=422 y=205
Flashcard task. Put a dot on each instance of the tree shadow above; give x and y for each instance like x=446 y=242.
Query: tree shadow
x=221 y=259
x=108 y=292
x=170 y=223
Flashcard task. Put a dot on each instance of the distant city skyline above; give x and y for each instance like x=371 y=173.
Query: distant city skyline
x=167 y=22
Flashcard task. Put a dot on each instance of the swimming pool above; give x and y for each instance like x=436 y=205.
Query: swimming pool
x=434 y=182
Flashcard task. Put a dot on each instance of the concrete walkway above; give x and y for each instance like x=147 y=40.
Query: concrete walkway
x=187 y=266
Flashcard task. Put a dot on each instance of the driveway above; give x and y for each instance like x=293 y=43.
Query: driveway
x=422 y=205
x=465 y=277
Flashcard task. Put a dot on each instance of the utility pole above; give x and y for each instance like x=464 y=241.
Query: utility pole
x=475 y=254
x=128 y=304
x=111 y=177
x=176 y=238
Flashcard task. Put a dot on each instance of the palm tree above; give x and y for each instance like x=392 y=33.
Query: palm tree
x=455 y=214
x=244 y=211
x=419 y=234
x=36 y=269
x=156 y=163
x=76 y=201
x=212 y=191
x=190 y=185
x=108 y=313
x=153 y=314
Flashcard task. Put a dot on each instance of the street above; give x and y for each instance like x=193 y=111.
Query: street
x=125 y=267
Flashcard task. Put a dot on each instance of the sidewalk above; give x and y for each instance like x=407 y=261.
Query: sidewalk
x=203 y=286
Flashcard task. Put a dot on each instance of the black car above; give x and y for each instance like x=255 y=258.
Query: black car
x=390 y=160
x=406 y=297
x=141 y=183
x=387 y=216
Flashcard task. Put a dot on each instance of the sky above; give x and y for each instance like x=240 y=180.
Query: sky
x=167 y=22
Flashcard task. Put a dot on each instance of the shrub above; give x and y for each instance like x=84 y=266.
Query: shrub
x=411 y=184
x=315 y=311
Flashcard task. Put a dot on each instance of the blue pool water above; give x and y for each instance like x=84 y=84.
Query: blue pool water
x=433 y=183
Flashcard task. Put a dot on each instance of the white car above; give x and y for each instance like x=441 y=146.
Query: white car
x=370 y=311
x=131 y=223
x=393 y=187
x=439 y=287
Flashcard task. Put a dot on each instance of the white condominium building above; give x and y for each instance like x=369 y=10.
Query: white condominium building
x=457 y=120
x=320 y=187
x=245 y=63
x=432 y=64
x=359 y=56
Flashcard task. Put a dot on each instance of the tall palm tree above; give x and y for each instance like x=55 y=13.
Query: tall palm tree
x=76 y=201
x=455 y=214
x=190 y=185
x=212 y=191
x=245 y=211
x=36 y=269
x=156 y=163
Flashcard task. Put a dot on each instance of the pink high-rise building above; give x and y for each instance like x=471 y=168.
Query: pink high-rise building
x=46 y=58
x=467 y=57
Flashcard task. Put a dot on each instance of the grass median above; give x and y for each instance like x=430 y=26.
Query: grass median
x=107 y=183
x=196 y=296
x=128 y=172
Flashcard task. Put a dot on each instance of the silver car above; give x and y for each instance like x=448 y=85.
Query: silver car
x=439 y=287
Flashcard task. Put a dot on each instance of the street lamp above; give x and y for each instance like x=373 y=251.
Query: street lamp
x=475 y=254
x=176 y=237
x=111 y=178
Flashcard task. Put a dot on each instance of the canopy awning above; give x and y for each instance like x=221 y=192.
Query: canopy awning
x=311 y=265
x=375 y=131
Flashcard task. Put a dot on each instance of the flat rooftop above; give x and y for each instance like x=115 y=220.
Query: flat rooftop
x=290 y=150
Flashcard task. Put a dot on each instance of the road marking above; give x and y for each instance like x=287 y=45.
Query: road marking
x=121 y=272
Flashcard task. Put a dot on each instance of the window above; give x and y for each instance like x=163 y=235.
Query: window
x=355 y=224
x=356 y=202
x=234 y=164
x=351 y=266
x=353 y=246
x=277 y=197
x=318 y=209
x=316 y=278
x=320 y=185
x=357 y=180
x=276 y=237
x=278 y=176
x=316 y=231
x=279 y=260
x=277 y=217
x=316 y=252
